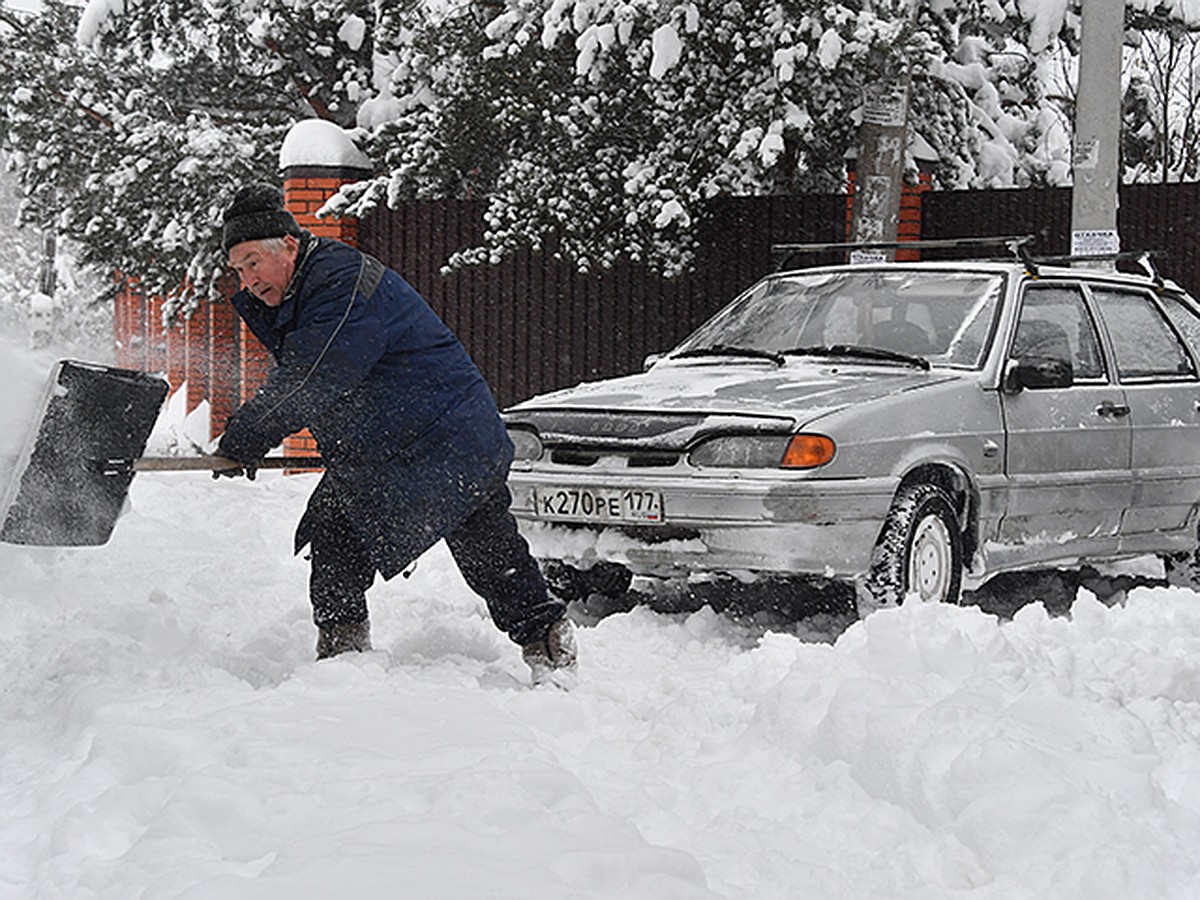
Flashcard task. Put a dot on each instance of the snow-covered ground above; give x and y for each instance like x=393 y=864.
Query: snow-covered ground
x=165 y=733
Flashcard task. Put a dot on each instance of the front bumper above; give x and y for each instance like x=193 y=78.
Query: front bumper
x=759 y=523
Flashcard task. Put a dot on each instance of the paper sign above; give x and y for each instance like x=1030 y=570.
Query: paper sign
x=867 y=257
x=1102 y=242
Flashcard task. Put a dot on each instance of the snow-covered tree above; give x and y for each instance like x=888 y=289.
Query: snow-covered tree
x=602 y=126
x=1160 y=139
x=1161 y=130
x=75 y=315
x=131 y=122
x=607 y=124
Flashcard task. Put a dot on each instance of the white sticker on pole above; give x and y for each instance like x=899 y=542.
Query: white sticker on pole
x=885 y=105
x=867 y=257
x=1101 y=242
x=1086 y=155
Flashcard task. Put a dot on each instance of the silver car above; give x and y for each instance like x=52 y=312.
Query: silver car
x=901 y=429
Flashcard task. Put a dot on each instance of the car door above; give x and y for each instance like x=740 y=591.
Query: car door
x=1068 y=449
x=1162 y=387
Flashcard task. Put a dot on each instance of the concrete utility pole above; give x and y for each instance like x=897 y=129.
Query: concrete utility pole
x=879 y=168
x=1096 y=155
x=883 y=142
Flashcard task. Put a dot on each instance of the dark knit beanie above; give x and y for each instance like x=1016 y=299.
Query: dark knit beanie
x=257 y=212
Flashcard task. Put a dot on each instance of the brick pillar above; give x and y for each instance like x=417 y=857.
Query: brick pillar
x=305 y=190
x=909 y=228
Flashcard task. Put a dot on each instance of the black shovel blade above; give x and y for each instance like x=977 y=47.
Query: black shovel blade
x=70 y=483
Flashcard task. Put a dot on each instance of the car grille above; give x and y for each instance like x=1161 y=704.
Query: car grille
x=571 y=457
x=609 y=426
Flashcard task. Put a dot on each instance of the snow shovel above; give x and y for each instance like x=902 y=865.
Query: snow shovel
x=71 y=480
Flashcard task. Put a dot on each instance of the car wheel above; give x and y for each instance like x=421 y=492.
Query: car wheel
x=919 y=553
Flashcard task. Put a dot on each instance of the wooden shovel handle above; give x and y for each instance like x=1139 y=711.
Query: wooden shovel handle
x=218 y=463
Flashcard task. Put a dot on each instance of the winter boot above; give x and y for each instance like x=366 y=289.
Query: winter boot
x=554 y=659
x=342 y=637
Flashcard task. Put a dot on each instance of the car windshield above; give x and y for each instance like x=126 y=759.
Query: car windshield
x=937 y=317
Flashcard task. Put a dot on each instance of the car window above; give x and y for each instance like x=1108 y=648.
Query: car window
x=1145 y=344
x=1185 y=318
x=943 y=316
x=1055 y=323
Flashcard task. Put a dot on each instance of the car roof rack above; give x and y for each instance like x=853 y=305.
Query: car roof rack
x=1014 y=243
x=1144 y=259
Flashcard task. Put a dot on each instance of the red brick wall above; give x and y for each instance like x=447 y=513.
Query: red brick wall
x=255 y=363
x=202 y=351
x=129 y=327
x=197 y=360
x=224 y=363
x=156 y=337
x=176 y=353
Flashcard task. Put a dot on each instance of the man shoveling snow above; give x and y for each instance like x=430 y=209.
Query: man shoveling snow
x=414 y=447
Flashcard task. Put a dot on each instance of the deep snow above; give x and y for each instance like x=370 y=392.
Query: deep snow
x=166 y=734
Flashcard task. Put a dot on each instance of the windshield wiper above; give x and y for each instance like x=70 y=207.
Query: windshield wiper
x=727 y=350
x=857 y=352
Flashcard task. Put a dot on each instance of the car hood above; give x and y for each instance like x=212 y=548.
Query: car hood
x=675 y=401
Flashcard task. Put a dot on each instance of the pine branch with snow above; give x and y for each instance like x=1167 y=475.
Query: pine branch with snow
x=131 y=123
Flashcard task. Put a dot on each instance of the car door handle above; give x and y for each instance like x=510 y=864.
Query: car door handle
x=1110 y=410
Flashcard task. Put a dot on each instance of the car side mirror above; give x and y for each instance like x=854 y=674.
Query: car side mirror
x=1036 y=372
x=650 y=360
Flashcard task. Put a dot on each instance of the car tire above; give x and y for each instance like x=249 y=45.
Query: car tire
x=919 y=552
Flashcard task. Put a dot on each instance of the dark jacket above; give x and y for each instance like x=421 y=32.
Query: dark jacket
x=409 y=431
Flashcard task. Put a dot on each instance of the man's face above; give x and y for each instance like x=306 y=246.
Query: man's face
x=265 y=267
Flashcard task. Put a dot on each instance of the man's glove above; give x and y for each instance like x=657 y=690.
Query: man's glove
x=224 y=467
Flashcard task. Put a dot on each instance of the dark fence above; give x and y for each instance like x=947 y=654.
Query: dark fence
x=1158 y=218
x=533 y=324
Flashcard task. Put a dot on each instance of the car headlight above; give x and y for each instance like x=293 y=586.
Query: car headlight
x=756 y=451
x=527 y=445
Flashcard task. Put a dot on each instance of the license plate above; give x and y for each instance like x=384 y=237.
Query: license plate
x=598 y=505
